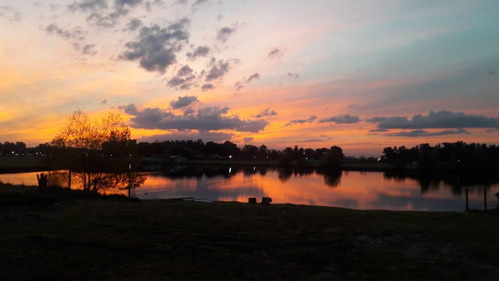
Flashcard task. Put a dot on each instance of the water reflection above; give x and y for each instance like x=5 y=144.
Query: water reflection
x=458 y=183
x=357 y=190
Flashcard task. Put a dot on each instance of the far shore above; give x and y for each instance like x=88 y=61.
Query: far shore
x=9 y=164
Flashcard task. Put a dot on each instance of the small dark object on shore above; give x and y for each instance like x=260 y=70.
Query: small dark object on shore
x=42 y=181
x=252 y=200
x=266 y=200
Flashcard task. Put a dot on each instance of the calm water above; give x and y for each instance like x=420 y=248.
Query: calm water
x=355 y=190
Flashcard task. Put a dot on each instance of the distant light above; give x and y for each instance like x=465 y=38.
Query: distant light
x=230 y=156
x=379 y=159
x=307 y=158
x=229 y=169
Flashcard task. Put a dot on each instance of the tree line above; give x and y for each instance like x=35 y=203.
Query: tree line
x=457 y=156
x=200 y=150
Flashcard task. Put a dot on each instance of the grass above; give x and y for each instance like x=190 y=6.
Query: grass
x=73 y=236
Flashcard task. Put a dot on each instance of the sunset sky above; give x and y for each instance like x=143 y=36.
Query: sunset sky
x=362 y=75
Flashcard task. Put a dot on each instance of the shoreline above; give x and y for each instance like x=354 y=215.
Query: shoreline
x=112 y=238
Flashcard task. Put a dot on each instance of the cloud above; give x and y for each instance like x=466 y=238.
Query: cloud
x=207 y=87
x=255 y=76
x=423 y=133
x=341 y=119
x=436 y=120
x=103 y=102
x=247 y=140
x=198 y=3
x=293 y=75
x=275 y=53
x=130 y=3
x=200 y=51
x=156 y=47
x=130 y=109
x=301 y=121
x=189 y=135
x=183 y=101
x=89 y=50
x=224 y=33
x=240 y=84
x=183 y=79
x=205 y=119
x=88 y=5
x=76 y=34
x=76 y=37
x=181 y=2
x=100 y=14
x=10 y=14
x=266 y=112
x=218 y=69
x=133 y=24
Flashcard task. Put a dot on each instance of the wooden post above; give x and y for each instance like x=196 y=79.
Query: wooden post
x=69 y=179
x=466 y=199
x=485 y=204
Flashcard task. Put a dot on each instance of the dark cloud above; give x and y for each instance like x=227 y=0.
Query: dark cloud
x=301 y=121
x=189 y=135
x=130 y=3
x=436 y=120
x=106 y=19
x=183 y=79
x=238 y=85
x=183 y=101
x=207 y=87
x=130 y=109
x=76 y=37
x=89 y=49
x=205 y=119
x=224 y=33
x=198 y=3
x=293 y=75
x=255 y=76
x=218 y=69
x=266 y=112
x=76 y=34
x=341 y=119
x=88 y=5
x=423 y=133
x=156 y=47
x=201 y=51
x=103 y=102
x=275 y=53
x=100 y=14
x=133 y=24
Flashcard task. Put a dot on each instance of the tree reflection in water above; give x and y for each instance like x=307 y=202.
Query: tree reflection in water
x=457 y=182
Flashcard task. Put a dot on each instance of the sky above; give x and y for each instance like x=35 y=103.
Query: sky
x=362 y=74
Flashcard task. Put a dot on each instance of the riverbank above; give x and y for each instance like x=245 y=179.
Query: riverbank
x=73 y=237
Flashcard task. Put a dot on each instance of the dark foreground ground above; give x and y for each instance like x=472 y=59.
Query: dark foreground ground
x=69 y=236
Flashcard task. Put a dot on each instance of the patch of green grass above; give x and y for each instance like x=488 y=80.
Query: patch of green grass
x=100 y=238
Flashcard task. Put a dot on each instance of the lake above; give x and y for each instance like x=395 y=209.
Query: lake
x=347 y=189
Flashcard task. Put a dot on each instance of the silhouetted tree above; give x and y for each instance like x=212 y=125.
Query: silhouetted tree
x=86 y=144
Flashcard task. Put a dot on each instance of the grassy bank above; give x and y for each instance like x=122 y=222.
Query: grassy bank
x=68 y=236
